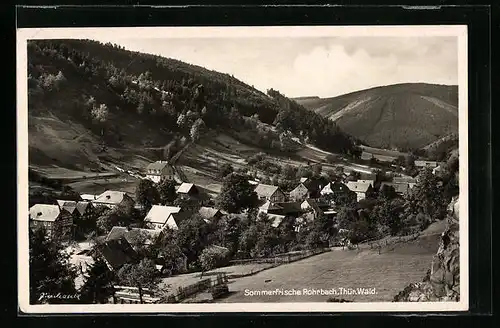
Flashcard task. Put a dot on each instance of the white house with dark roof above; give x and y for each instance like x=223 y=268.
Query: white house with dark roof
x=57 y=223
x=158 y=216
x=112 y=198
x=270 y=192
x=360 y=188
x=159 y=170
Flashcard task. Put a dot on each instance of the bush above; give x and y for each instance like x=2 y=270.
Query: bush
x=213 y=257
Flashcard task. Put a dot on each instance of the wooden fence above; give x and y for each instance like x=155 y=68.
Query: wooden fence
x=208 y=284
x=282 y=258
x=133 y=295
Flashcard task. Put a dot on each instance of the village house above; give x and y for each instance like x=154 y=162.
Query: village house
x=137 y=237
x=80 y=209
x=160 y=170
x=158 y=216
x=361 y=189
x=310 y=188
x=269 y=192
x=336 y=188
x=209 y=213
x=317 y=208
x=57 y=223
x=116 y=253
x=400 y=188
x=112 y=199
x=404 y=179
x=187 y=190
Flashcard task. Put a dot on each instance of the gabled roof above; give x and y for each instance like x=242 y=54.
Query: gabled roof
x=315 y=184
x=185 y=188
x=111 y=197
x=67 y=205
x=160 y=214
x=45 y=212
x=358 y=186
x=264 y=190
x=158 y=165
x=335 y=186
x=302 y=180
x=208 y=212
x=134 y=236
x=175 y=219
x=118 y=252
x=82 y=206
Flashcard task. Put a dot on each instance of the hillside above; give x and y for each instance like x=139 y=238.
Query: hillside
x=403 y=116
x=98 y=108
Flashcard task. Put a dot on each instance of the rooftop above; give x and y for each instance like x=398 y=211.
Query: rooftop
x=111 y=197
x=44 y=212
x=264 y=190
x=358 y=186
x=160 y=213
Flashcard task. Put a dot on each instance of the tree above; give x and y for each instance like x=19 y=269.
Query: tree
x=427 y=196
x=191 y=237
x=50 y=272
x=100 y=114
x=166 y=190
x=197 y=129
x=141 y=275
x=236 y=194
x=98 y=286
x=224 y=170
x=146 y=194
x=121 y=216
x=213 y=257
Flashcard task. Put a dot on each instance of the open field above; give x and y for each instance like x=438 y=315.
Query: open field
x=388 y=272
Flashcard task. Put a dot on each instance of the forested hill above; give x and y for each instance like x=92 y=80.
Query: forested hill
x=126 y=97
x=404 y=116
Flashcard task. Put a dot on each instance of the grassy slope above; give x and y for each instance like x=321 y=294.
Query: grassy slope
x=404 y=115
x=388 y=272
x=64 y=144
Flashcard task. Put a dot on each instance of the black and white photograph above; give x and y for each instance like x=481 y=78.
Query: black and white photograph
x=233 y=169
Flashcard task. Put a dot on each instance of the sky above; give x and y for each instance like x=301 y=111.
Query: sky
x=315 y=66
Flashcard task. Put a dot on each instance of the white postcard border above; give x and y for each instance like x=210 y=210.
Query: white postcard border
x=24 y=34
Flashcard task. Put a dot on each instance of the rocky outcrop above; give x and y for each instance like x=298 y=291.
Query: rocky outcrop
x=442 y=282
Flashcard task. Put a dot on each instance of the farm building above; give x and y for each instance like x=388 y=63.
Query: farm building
x=209 y=213
x=335 y=188
x=158 y=215
x=160 y=170
x=136 y=237
x=431 y=164
x=187 y=189
x=57 y=223
x=112 y=198
x=361 y=189
x=117 y=252
x=310 y=188
x=269 y=192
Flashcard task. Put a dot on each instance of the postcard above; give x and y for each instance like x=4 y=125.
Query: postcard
x=242 y=169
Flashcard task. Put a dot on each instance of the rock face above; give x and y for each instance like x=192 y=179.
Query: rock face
x=442 y=282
